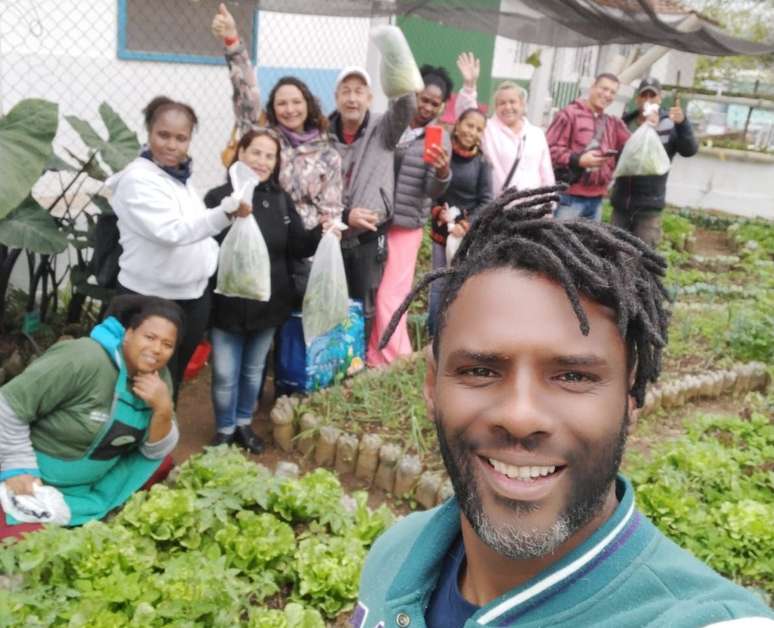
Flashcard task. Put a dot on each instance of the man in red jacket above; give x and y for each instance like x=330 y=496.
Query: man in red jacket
x=585 y=142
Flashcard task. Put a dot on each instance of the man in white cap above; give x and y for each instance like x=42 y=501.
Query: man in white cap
x=366 y=142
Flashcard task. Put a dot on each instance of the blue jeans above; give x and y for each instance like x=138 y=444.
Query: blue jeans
x=579 y=207
x=237 y=374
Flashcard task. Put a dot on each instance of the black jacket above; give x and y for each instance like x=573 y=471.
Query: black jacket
x=285 y=237
x=649 y=192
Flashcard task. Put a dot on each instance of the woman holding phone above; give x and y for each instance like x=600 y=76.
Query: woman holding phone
x=421 y=174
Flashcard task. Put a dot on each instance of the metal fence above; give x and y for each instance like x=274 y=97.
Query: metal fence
x=79 y=53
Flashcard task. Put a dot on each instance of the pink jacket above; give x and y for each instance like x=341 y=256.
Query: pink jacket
x=501 y=146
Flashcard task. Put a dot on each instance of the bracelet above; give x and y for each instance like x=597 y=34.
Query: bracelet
x=230 y=41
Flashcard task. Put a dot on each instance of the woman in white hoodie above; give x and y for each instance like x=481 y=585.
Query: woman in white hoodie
x=166 y=231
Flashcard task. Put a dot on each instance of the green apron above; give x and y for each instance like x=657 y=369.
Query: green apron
x=112 y=469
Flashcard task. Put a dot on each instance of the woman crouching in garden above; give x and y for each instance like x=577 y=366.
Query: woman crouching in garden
x=243 y=329
x=92 y=418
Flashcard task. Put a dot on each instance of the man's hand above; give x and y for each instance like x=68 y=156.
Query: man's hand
x=592 y=159
x=223 y=24
x=470 y=68
x=439 y=159
x=676 y=113
x=23 y=484
x=362 y=218
x=152 y=390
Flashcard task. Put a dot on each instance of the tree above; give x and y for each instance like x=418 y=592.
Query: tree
x=748 y=19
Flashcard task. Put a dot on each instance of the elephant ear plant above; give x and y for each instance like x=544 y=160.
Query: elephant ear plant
x=45 y=219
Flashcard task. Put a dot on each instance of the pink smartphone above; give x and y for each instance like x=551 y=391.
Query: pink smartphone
x=433 y=137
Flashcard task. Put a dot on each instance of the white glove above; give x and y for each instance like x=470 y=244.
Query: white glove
x=230 y=204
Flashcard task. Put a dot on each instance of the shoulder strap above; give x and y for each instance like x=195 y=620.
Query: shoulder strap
x=515 y=163
x=599 y=130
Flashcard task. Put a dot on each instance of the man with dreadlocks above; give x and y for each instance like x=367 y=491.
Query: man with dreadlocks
x=548 y=333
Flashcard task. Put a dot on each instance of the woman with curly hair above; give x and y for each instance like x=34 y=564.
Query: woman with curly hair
x=311 y=166
x=417 y=183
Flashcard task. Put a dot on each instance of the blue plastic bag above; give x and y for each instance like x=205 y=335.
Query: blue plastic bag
x=329 y=358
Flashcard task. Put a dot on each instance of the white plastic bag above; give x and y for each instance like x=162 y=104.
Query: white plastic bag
x=45 y=505
x=244 y=268
x=643 y=154
x=243 y=180
x=452 y=244
x=452 y=241
x=326 y=301
x=398 y=69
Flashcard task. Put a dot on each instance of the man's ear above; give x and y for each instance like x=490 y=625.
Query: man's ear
x=428 y=388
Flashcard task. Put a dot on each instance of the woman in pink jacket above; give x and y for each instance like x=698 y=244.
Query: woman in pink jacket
x=516 y=148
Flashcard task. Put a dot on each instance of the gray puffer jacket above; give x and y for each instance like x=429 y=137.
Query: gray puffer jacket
x=415 y=183
x=366 y=164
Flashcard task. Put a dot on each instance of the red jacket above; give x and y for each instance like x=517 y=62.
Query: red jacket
x=571 y=131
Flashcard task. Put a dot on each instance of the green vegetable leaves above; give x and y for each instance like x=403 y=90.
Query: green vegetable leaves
x=206 y=551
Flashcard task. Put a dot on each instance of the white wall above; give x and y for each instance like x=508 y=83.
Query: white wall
x=66 y=51
x=739 y=183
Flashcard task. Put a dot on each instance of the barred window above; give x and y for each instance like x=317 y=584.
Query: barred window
x=178 y=30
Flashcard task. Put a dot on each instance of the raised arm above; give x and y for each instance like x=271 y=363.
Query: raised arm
x=467 y=98
x=246 y=95
x=398 y=116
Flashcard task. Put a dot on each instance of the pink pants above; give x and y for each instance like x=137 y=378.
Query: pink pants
x=402 y=248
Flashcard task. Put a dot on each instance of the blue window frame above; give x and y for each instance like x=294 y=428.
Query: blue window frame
x=200 y=17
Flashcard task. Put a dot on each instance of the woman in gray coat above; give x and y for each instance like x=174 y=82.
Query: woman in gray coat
x=417 y=182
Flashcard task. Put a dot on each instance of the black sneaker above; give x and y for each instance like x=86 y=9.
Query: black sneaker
x=222 y=439
x=249 y=440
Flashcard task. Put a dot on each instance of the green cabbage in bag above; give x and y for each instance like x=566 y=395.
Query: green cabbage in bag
x=244 y=268
x=398 y=69
x=643 y=155
x=326 y=301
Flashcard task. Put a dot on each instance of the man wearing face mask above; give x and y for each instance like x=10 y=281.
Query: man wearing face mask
x=585 y=143
x=638 y=201
x=366 y=142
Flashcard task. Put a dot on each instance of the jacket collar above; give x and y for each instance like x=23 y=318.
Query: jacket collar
x=335 y=120
x=418 y=576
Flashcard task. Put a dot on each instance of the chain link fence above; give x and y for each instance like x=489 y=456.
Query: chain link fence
x=79 y=53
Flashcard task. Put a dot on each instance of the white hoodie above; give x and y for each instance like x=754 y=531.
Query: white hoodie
x=166 y=232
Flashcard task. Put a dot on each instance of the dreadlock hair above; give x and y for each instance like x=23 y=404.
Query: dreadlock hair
x=603 y=262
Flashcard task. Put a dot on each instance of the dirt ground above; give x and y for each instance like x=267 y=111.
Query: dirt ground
x=197 y=427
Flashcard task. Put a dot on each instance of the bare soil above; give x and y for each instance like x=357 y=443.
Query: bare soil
x=709 y=243
x=197 y=427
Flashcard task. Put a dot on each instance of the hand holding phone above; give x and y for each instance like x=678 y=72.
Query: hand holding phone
x=433 y=137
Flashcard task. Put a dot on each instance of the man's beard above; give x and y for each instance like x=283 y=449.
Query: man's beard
x=590 y=486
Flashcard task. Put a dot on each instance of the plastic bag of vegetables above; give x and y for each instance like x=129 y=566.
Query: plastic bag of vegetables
x=244 y=269
x=326 y=301
x=398 y=70
x=643 y=154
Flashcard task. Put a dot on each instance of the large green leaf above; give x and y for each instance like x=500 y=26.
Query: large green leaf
x=57 y=164
x=26 y=134
x=30 y=227
x=122 y=145
x=89 y=136
x=102 y=204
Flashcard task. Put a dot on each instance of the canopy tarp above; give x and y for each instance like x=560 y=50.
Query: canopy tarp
x=560 y=23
